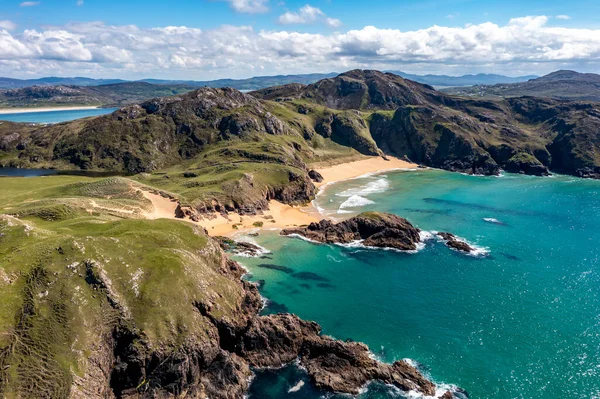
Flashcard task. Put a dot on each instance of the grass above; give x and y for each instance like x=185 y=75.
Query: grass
x=52 y=319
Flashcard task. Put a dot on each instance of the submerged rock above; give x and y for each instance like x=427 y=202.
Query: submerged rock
x=375 y=229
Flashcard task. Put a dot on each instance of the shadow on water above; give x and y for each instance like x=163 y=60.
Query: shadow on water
x=482 y=207
x=25 y=172
x=310 y=276
x=270 y=266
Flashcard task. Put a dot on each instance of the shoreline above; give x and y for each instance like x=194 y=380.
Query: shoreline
x=279 y=215
x=27 y=110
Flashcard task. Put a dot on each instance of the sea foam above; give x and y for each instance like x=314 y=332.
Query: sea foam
x=373 y=187
x=356 y=201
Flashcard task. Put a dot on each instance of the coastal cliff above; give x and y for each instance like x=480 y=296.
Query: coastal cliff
x=98 y=317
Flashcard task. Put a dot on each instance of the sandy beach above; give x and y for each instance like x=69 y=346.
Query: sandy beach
x=7 y=111
x=349 y=170
x=279 y=215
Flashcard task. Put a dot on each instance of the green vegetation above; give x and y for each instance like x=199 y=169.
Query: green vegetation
x=54 y=318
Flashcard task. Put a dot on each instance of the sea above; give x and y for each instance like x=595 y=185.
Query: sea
x=54 y=116
x=518 y=319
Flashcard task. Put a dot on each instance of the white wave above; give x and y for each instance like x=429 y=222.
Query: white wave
x=359 y=245
x=262 y=250
x=373 y=187
x=477 y=252
x=333 y=259
x=296 y=387
x=342 y=211
x=492 y=220
x=356 y=201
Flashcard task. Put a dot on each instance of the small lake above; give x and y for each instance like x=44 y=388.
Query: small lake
x=17 y=172
x=55 y=116
x=24 y=172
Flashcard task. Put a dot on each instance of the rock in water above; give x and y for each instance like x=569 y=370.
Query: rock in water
x=375 y=229
x=455 y=243
x=271 y=341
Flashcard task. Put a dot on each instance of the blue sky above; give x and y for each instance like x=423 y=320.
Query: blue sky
x=355 y=14
x=239 y=38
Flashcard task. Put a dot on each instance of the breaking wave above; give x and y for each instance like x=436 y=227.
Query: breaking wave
x=373 y=187
x=356 y=201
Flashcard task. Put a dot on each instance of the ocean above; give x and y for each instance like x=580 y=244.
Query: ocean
x=520 y=320
x=55 y=116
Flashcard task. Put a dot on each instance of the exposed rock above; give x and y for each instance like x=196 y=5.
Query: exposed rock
x=373 y=228
x=453 y=242
x=239 y=247
x=315 y=176
x=527 y=164
x=333 y=365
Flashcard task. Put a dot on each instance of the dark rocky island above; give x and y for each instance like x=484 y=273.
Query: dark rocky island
x=374 y=229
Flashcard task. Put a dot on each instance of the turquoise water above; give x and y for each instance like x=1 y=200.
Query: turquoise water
x=522 y=321
x=55 y=116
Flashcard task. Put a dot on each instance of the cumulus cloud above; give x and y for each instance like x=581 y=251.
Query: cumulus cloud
x=30 y=3
x=308 y=15
x=525 y=44
x=249 y=6
x=7 y=25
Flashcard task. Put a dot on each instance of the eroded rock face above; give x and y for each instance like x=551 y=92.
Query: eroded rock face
x=375 y=229
x=315 y=176
x=333 y=365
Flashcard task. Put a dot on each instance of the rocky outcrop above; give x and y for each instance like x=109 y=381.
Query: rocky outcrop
x=315 y=176
x=374 y=229
x=453 y=242
x=333 y=365
x=526 y=164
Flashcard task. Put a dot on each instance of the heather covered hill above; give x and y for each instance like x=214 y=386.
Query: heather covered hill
x=226 y=135
x=569 y=85
x=115 y=94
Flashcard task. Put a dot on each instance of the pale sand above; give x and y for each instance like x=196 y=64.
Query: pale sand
x=7 y=111
x=345 y=171
x=279 y=215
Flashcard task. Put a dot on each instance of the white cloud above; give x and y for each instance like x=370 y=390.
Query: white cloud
x=249 y=6
x=30 y=3
x=7 y=25
x=563 y=17
x=525 y=44
x=333 y=22
x=308 y=15
x=79 y=3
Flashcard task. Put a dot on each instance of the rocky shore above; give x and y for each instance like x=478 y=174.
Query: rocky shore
x=374 y=229
x=219 y=365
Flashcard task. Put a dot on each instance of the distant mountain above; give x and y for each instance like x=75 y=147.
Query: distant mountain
x=117 y=94
x=9 y=83
x=465 y=80
x=560 y=85
x=255 y=83
x=261 y=82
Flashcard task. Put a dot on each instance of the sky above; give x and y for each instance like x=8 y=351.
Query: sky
x=211 y=39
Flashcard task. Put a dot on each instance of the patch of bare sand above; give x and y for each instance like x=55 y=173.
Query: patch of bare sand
x=350 y=170
x=279 y=215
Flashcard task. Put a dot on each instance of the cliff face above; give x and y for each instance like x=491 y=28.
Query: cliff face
x=365 y=112
x=97 y=317
x=523 y=135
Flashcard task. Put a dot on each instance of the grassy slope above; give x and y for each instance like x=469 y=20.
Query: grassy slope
x=51 y=319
